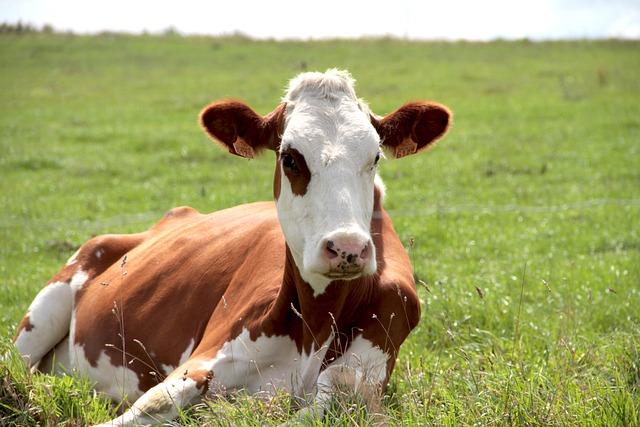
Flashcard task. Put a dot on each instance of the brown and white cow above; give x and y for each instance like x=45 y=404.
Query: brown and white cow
x=303 y=294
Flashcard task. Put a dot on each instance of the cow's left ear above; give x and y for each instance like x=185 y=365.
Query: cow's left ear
x=413 y=127
x=241 y=130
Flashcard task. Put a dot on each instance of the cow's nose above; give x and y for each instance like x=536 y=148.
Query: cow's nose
x=349 y=251
x=347 y=255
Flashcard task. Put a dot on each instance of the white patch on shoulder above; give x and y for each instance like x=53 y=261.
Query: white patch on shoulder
x=49 y=315
x=99 y=253
x=265 y=365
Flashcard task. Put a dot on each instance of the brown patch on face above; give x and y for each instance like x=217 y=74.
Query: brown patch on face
x=277 y=180
x=296 y=170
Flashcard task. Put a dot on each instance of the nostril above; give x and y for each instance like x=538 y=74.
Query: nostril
x=365 y=252
x=331 y=253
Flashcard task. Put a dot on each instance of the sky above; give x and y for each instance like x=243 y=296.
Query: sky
x=300 y=19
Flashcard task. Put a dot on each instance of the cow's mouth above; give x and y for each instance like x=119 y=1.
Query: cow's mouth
x=344 y=274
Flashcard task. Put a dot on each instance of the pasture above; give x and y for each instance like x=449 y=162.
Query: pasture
x=523 y=224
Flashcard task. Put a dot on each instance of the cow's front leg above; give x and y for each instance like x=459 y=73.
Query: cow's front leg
x=162 y=403
x=361 y=371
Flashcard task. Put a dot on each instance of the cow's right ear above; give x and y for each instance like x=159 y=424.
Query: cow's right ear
x=235 y=126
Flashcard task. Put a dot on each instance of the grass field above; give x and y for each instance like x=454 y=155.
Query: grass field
x=525 y=220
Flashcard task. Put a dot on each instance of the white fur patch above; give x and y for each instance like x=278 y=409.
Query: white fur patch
x=332 y=153
x=366 y=358
x=116 y=382
x=362 y=368
x=159 y=404
x=324 y=85
x=265 y=365
x=50 y=315
x=78 y=280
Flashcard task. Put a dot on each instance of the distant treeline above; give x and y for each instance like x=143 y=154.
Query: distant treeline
x=24 y=28
x=27 y=28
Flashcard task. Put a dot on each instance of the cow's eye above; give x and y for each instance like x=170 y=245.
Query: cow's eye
x=375 y=161
x=288 y=162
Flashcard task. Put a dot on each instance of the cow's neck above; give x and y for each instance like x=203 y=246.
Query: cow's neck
x=317 y=317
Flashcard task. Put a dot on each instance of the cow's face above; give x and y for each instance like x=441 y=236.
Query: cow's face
x=328 y=145
x=324 y=187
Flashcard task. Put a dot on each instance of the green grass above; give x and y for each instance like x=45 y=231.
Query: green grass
x=525 y=219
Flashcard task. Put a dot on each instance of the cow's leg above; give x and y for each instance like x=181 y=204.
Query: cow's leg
x=58 y=360
x=161 y=403
x=46 y=322
x=48 y=318
x=361 y=370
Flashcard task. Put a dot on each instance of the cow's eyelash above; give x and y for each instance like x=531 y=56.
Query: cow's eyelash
x=375 y=161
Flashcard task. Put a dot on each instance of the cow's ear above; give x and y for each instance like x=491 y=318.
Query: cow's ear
x=413 y=127
x=241 y=130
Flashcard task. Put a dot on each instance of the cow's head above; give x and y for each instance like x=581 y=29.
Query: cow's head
x=328 y=145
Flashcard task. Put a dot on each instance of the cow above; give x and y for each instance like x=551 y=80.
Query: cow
x=306 y=293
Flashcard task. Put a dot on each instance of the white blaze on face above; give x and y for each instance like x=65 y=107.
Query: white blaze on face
x=328 y=154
